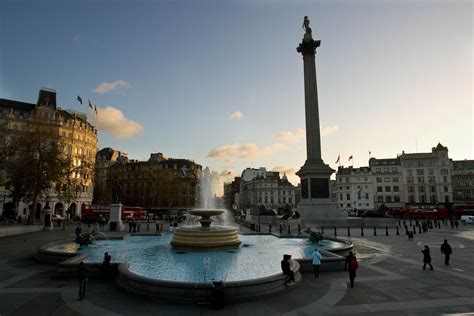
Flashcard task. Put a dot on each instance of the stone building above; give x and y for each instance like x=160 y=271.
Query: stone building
x=158 y=183
x=427 y=176
x=387 y=181
x=105 y=158
x=354 y=188
x=463 y=181
x=260 y=188
x=75 y=132
x=231 y=195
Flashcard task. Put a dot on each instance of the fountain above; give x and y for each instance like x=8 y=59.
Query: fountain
x=205 y=237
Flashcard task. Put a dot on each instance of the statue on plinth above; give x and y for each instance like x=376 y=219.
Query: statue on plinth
x=306 y=27
x=116 y=193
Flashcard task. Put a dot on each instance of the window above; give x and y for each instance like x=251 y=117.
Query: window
x=411 y=189
x=395 y=179
x=431 y=179
x=348 y=188
x=423 y=198
x=433 y=198
x=409 y=172
x=445 y=179
x=411 y=198
x=420 y=172
x=341 y=197
x=380 y=199
x=444 y=172
x=421 y=189
x=366 y=179
x=379 y=189
x=367 y=196
x=395 y=188
x=431 y=172
x=445 y=189
x=386 y=179
x=347 y=180
x=386 y=169
x=432 y=189
x=388 y=199
x=379 y=180
x=421 y=179
x=377 y=169
x=387 y=189
x=409 y=179
x=396 y=198
x=348 y=196
x=394 y=169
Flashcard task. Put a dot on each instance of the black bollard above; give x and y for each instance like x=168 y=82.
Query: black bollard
x=362 y=231
x=406 y=230
x=289 y=229
x=386 y=230
x=414 y=230
x=322 y=230
x=269 y=229
x=375 y=231
x=410 y=222
x=398 y=232
x=335 y=231
x=419 y=229
x=348 y=231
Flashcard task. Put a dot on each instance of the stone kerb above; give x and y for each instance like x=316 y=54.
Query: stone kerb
x=55 y=257
x=329 y=262
x=191 y=292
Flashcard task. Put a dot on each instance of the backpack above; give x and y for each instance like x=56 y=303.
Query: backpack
x=353 y=264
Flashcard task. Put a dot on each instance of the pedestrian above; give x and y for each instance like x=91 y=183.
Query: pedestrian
x=170 y=229
x=270 y=228
x=351 y=264
x=78 y=231
x=83 y=275
x=286 y=268
x=106 y=265
x=157 y=225
x=281 y=228
x=138 y=226
x=316 y=261
x=426 y=257
x=447 y=251
x=456 y=223
x=300 y=234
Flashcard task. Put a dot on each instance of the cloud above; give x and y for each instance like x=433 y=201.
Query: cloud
x=246 y=151
x=237 y=116
x=226 y=173
x=105 y=87
x=291 y=137
x=328 y=130
x=114 y=121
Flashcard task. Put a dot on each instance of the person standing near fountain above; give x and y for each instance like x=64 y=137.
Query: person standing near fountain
x=83 y=276
x=286 y=268
x=316 y=262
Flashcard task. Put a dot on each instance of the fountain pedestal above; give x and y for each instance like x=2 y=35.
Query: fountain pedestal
x=205 y=237
x=116 y=218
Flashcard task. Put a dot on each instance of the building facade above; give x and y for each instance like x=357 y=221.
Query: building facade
x=387 y=181
x=105 y=158
x=353 y=188
x=156 y=184
x=231 y=195
x=261 y=188
x=463 y=181
x=78 y=136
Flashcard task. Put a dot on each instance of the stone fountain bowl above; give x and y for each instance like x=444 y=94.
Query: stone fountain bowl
x=206 y=213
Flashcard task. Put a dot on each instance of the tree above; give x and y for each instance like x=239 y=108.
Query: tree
x=36 y=160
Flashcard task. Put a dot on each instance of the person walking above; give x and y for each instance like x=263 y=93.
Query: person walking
x=352 y=265
x=426 y=257
x=83 y=276
x=447 y=251
x=316 y=262
x=106 y=265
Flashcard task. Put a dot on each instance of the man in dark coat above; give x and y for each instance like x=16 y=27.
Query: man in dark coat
x=352 y=265
x=83 y=276
x=426 y=257
x=285 y=267
x=447 y=251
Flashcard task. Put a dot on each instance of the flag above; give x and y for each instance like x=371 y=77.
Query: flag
x=90 y=105
x=338 y=158
x=350 y=158
x=95 y=109
x=79 y=99
x=369 y=153
x=228 y=173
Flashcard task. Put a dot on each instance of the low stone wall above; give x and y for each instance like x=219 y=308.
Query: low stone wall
x=70 y=268
x=353 y=222
x=330 y=262
x=18 y=230
x=189 y=292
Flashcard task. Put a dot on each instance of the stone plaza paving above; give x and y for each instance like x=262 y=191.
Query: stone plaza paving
x=389 y=281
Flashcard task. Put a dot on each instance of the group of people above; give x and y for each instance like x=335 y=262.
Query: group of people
x=446 y=250
x=84 y=274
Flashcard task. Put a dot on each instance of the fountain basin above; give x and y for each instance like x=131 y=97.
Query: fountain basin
x=211 y=238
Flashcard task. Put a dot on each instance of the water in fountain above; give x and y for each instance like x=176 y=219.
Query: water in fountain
x=208 y=202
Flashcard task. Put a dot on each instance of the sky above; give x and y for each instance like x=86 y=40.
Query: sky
x=221 y=83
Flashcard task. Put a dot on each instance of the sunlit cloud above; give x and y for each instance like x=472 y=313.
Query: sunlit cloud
x=112 y=120
x=237 y=116
x=290 y=173
x=105 y=87
x=232 y=152
x=291 y=137
x=226 y=173
x=328 y=130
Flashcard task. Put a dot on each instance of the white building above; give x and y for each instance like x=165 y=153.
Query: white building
x=261 y=188
x=387 y=182
x=354 y=188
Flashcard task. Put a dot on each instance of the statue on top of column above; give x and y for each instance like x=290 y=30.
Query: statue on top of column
x=305 y=26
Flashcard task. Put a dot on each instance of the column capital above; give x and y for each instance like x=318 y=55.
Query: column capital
x=308 y=46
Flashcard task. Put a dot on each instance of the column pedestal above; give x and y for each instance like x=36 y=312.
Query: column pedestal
x=115 y=220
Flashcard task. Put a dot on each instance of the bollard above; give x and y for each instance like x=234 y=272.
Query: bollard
x=375 y=231
x=147 y=227
x=348 y=231
x=322 y=230
x=362 y=231
x=270 y=229
x=289 y=229
x=410 y=222
x=419 y=229
x=414 y=230
x=386 y=230
x=398 y=232
x=406 y=230
x=335 y=231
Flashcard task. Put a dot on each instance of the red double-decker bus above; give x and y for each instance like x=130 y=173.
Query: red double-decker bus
x=131 y=212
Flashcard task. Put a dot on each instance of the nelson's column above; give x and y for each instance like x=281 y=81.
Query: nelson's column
x=314 y=174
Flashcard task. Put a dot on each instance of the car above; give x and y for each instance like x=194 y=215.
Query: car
x=57 y=217
x=467 y=219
